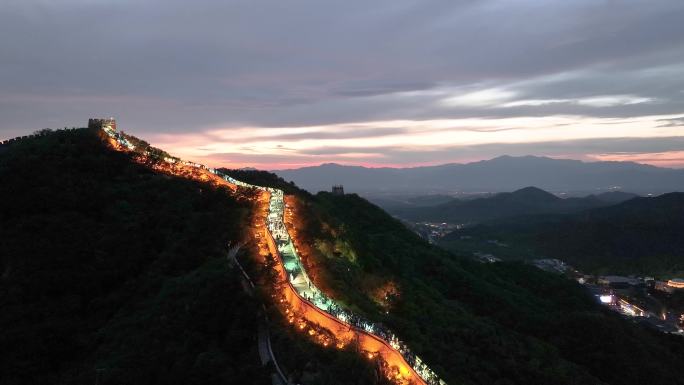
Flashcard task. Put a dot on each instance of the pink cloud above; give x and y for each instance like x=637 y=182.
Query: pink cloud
x=673 y=159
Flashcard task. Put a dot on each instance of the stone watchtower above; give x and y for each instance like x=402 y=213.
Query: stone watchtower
x=102 y=123
x=338 y=189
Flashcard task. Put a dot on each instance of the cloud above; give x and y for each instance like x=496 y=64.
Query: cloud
x=429 y=141
x=342 y=132
x=613 y=100
x=595 y=101
x=664 y=152
x=662 y=159
x=672 y=122
x=484 y=98
x=252 y=75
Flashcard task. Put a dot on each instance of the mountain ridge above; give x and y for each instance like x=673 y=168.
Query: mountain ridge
x=526 y=201
x=494 y=159
x=640 y=235
x=504 y=173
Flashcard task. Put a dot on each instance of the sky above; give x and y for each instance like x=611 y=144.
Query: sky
x=279 y=84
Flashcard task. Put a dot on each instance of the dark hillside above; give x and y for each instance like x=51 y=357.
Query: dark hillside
x=641 y=235
x=111 y=273
x=526 y=201
x=476 y=323
x=615 y=197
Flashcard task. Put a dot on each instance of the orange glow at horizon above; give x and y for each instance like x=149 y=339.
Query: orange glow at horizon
x=673 y=159
x=415 y=143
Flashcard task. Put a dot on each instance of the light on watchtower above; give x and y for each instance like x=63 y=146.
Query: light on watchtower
x=102 y=123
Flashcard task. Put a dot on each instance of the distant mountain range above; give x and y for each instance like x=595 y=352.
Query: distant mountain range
x=526 y=201
x=641 y=235
x=505 y=173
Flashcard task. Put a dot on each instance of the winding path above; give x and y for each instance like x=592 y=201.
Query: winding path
x=316 y=306
x=309 y=301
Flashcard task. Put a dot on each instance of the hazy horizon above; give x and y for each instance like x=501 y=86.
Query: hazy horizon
x=679 y=166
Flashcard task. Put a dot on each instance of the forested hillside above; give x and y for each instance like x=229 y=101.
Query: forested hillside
x=475 y=323
x=526 y=201
x=642 y=235
x=113 y=274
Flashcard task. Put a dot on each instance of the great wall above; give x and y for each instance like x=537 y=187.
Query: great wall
x=303 y=303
